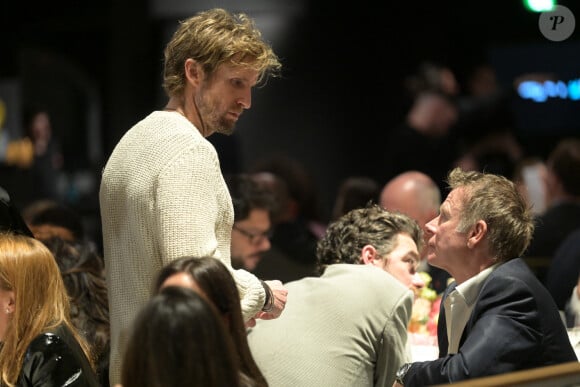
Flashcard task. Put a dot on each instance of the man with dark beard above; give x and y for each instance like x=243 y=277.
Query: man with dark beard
x=253 y=209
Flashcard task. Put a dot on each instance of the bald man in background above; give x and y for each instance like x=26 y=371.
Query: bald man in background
x=416 y=195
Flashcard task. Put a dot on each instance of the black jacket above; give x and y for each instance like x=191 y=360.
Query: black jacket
x=515 y=325
x=56 y=359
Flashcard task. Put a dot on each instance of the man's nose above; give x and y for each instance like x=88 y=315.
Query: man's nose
x=417 y=281
x=430 y=228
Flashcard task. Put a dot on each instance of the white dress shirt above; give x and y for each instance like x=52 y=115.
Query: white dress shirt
x=459 y=305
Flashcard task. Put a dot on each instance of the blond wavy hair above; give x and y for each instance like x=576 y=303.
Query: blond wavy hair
x=29 y=269
x=495 y=200
x=212 y=38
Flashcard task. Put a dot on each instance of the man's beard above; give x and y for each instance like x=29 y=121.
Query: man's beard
x=211 y=120
x=225 y=127
x=237 y=262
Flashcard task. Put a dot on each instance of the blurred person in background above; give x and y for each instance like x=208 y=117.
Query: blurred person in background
x=10 y=218
x=416 y=195
x=296 y=225
x=254 y=207
x=48 y=158
x=49 y=218
x=355 y=192
x=562 y=214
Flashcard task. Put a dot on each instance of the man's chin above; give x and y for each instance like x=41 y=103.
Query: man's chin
x=251 y=263
x=432 y=260
x=227 y=128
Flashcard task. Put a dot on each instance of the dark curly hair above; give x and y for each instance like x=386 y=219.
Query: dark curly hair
x=82 y=271
x=372 y=225
x=247 y=195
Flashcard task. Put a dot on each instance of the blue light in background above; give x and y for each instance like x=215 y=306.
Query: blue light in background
x=541 y=91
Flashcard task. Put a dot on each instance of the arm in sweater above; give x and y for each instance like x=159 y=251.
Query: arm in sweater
x=195 y=216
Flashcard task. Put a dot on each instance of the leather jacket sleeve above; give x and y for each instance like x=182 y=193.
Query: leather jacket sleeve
x=50 y=361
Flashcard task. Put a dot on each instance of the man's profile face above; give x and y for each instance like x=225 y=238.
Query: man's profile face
x=223 y=97
x=447 y=246
x=402 y=261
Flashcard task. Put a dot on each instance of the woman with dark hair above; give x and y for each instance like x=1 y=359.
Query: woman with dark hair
x=179 y=340
x=210 y=277
x=82 y=271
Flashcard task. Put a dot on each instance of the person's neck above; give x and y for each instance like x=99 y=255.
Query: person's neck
x=176 y=105
x=471 y=271
x=189 y=110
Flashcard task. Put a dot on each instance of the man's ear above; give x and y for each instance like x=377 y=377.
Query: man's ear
x=368 y=255
x=193 y=71
x=477 y=233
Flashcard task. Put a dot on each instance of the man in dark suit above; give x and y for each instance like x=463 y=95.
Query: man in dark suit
x=496 y=317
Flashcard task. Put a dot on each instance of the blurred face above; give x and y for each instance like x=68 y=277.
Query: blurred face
x=445 y=117
x=221 y=99
x=186 y=281
x=183 y=280
x=6 y=311
x=408 y=206
x=41 y=127
x=447 y=247
x=250 y=239
x=402 y=262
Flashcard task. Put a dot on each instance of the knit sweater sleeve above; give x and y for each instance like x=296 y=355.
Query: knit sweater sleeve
x=251 y=291
x=186 y=205
x=195 y=216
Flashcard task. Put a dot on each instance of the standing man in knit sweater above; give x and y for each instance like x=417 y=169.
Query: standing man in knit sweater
x=162 y=194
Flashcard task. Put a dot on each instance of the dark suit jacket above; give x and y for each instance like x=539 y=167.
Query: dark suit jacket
x=564 y=270
x=552 y=228
x=515 y=325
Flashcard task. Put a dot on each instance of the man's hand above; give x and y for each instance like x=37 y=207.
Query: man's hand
x=280 y=293
x=251 y=322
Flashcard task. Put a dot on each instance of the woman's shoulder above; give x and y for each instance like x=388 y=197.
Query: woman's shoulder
x=47 y=341
x=54 y=344
x=55 y=356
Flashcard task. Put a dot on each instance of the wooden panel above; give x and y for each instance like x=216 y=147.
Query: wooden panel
x=561 y=375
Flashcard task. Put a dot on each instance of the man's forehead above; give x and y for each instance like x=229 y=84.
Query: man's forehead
x=455 y=197
x=243 y=71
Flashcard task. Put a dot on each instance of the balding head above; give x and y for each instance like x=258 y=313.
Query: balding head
x=414 y=194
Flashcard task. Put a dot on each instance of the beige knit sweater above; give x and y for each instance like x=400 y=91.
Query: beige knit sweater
x=162 y=196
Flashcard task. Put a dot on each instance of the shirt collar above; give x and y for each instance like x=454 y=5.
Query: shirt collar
x=470 y=288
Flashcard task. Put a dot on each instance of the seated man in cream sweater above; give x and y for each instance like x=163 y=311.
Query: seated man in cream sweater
x=349 y=326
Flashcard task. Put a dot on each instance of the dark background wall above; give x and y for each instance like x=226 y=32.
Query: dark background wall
x=97 y=66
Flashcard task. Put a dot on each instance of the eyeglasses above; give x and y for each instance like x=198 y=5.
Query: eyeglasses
x=254 y=238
